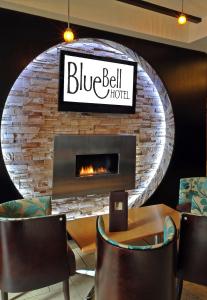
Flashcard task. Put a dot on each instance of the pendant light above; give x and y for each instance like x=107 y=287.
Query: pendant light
x=182 y=17
x=68 y=34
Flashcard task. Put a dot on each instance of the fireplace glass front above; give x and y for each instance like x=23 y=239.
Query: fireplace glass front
x=97 y=164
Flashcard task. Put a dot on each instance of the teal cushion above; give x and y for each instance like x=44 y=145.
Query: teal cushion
x=199 y=206
x=25 y=208
x=169 y=233
x=169 y=230
x=190 y=187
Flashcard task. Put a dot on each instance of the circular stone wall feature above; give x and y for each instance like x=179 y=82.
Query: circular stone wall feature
x=31 y=120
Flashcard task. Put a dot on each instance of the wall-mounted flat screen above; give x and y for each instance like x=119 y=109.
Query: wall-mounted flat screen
x=89 y=83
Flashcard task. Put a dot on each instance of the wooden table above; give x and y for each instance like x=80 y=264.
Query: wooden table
x=143 y=222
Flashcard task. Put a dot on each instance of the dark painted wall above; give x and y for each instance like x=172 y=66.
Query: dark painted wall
x=184 y=73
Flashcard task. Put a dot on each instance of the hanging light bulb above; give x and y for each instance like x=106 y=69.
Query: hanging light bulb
x=68 y=34
x=182 y=18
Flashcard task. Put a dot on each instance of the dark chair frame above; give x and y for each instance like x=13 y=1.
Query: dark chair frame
x=34 y=254
x=123 y=274
x=192 y=263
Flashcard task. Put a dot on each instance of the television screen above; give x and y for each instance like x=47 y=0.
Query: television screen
x=90 y=83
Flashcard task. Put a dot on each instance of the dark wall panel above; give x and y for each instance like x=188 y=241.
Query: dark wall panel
x=184 y=73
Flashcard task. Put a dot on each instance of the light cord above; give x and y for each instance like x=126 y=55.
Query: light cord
x=68 y=12
x=182 y=5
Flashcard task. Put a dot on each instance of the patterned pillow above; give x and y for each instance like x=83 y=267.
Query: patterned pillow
x=25 y=208
x=169 y=232
x=199 y=206
x=190 y=187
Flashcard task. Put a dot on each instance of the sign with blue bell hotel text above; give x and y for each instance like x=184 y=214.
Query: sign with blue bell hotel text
x=96 y=84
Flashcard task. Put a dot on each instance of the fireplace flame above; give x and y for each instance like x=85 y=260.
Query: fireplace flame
x=90 y=170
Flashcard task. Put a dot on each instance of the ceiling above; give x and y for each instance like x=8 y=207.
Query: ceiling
x=111 y=15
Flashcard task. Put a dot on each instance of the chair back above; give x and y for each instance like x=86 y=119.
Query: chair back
x=25 y=208
x=33 y=252
x=192 y=187
x=192 y=263
x=126 y=272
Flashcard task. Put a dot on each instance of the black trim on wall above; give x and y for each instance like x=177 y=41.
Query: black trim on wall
x=184 y=73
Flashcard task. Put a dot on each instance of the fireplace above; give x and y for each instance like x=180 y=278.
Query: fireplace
x=97 y=164
x=91 y=164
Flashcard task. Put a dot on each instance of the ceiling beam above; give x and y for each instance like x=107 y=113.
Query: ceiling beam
x=161 y=9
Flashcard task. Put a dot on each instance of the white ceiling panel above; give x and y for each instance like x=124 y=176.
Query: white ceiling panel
x=111 y=15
